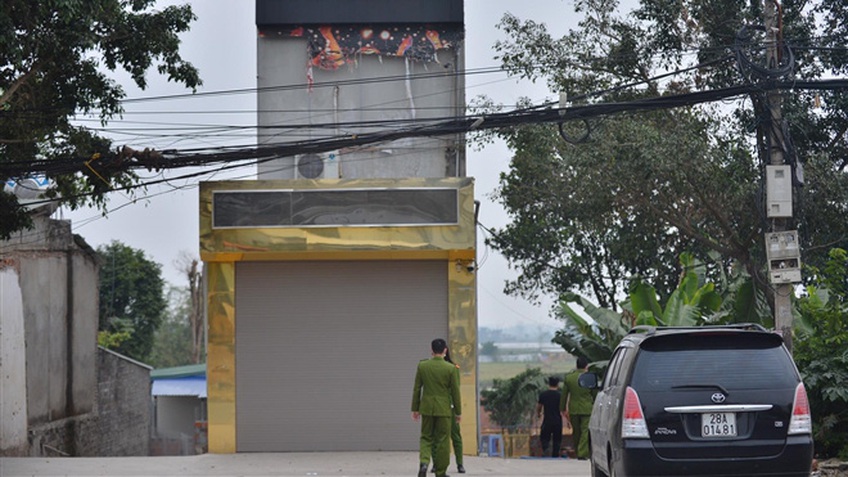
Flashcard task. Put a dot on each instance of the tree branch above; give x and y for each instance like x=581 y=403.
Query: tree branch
x=19 y=81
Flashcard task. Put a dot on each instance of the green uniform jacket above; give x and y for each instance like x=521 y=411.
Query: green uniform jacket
x=436 y=386
x=581 y=398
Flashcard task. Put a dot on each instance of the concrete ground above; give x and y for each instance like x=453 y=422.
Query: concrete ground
x=339 y=464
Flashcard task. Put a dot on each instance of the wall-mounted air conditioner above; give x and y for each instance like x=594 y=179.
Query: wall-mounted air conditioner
x=323 y=165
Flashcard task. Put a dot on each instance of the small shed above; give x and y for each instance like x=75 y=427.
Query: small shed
x=179 y=410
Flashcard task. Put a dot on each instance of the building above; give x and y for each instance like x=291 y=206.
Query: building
x=179 y=410
x=328 y=277
x=59 y=393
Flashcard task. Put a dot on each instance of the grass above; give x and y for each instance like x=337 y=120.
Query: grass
x=488 y=372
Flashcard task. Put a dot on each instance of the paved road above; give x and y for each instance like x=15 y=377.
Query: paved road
x=338 y=464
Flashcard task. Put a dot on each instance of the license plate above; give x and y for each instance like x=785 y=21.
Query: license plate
x=718 y=424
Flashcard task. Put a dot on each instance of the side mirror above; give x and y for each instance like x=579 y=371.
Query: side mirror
x=588 y=381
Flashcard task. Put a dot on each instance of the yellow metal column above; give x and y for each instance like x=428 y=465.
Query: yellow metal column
x=462 y=342
x=221 y=360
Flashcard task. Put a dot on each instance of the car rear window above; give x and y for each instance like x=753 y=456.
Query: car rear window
x=732 y=361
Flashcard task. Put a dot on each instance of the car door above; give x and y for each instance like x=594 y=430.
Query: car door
x=603 y=411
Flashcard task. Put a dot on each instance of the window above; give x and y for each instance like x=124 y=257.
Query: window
x=335 y=208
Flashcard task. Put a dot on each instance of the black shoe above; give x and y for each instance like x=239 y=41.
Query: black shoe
x=422 y=470
x=460 y=468
x=443 y=475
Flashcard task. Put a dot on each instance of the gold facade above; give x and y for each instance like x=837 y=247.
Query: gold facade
x=220 y=249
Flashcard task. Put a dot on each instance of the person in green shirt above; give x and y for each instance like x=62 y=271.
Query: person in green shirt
x=576 y=406
x=436 y=388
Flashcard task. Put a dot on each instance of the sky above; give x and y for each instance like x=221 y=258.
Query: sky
x=163 y=221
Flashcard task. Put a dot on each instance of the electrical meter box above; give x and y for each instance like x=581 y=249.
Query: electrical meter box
x=778 y=191
x=783 y=253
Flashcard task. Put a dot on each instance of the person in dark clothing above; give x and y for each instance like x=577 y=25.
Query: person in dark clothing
x=548 y=409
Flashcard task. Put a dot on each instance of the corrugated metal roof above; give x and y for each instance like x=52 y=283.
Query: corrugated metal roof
x=179 y=371
x=186 y=386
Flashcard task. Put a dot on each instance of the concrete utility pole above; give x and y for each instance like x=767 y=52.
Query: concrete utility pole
x=783 y=285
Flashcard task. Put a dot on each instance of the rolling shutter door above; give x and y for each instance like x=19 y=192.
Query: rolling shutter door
x=326 y=352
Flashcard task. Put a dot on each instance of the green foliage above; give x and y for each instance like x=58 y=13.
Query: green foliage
x=113 y=340
x=586 y=216
x=593 y=339
x=822 y=355
x=131 y=298
x=489 y=349
x=172 y=340
x=694 y=302
x=54 y=55
x=511 y=402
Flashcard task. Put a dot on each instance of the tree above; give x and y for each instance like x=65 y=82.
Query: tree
x=597 y=202
x=131 y=298
x=53 y=55
x=511 y=402
x=172 y=342
x=695 y=301
x=822 y=355
x=188 y=265
x=489 y=349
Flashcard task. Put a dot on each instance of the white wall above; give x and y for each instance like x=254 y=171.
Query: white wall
x=13 y=407
x=177 y=413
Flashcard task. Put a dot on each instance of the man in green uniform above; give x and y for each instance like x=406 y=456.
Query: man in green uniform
x=436 y=387
x=576 y=406
x=456 y=433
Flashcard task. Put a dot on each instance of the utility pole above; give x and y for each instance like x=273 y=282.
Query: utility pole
x=782 y=246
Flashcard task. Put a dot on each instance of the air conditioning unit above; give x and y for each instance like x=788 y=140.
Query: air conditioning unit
x=323 y=165
x=29 y=191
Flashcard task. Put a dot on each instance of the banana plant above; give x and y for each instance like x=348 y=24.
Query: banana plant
x=592 y=334
x=692 y=303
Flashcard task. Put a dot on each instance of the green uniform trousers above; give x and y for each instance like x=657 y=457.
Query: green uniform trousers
x=580 y=434
x=456 y=440
x=435 y=432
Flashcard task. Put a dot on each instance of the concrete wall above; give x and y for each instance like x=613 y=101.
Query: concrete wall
x=124 y=406
x=177 y=414
x=13 y=406
x=58 y=276
x=341 y=96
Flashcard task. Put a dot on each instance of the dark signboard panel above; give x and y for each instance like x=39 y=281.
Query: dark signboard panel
x=335 y=208
x=279 y=13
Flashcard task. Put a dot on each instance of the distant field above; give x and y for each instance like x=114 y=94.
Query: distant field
x=489 y=371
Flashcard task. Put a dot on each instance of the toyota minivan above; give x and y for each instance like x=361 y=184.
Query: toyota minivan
x=699 y=401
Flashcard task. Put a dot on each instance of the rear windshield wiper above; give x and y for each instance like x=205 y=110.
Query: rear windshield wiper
x=702 y=386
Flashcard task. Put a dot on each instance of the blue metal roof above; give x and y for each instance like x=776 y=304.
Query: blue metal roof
x=185 y=386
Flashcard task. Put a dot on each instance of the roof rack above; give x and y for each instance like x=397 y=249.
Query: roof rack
x=650 y=330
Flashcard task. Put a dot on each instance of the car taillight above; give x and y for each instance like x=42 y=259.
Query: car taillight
x=801 y=421
x=633 y=423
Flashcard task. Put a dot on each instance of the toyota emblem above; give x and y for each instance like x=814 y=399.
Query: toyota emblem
x=718 y=398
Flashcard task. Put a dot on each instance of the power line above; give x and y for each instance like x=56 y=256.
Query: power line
x=420 y=128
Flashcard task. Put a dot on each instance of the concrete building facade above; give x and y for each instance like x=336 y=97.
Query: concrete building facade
x=328 y=277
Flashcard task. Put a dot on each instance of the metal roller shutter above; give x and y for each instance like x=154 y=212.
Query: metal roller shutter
x=326 y=352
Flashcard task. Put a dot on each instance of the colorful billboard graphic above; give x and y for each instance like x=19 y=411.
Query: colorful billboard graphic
x=331 y=46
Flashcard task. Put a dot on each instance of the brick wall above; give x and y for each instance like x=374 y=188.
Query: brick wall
x=124 y=405
x=73 y=436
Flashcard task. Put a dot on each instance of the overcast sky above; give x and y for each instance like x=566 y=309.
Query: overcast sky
x=222 y=44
